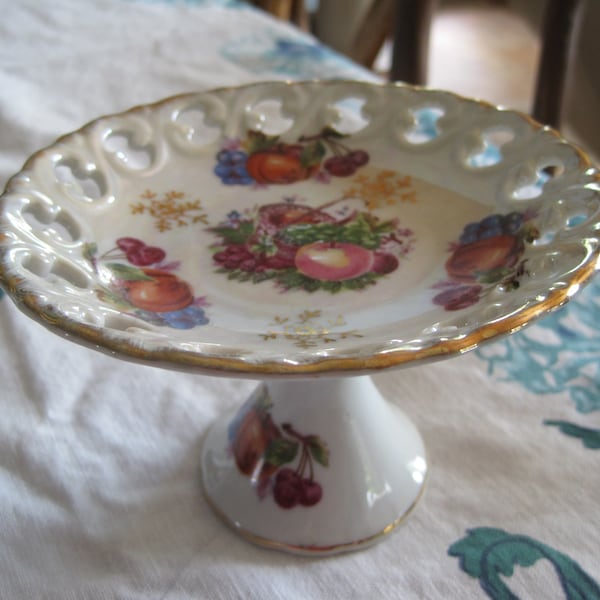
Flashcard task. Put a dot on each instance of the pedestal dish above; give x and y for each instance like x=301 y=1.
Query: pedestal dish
x=307 y=235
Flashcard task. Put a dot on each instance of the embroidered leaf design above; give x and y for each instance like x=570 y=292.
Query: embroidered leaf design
x=318 y=450
x=486 y=553
x=589 y=437
x=127 y=272
x=281 y=451
x=568 y=361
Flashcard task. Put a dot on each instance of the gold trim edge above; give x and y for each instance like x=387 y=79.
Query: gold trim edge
x=315 y=550
x=95 y=337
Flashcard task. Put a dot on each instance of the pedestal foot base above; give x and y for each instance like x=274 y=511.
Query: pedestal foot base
x=314 y=466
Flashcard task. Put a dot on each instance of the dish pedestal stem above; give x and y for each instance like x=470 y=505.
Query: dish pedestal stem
x=312 y=466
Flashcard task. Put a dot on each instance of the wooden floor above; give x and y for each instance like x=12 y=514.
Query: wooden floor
x=484 y=51
x=480 y=51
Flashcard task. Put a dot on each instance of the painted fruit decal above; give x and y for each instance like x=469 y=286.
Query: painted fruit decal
x=261 y=160
x=141 y=283
x=301 y=247
x=489 y=252
x=329 y=261
x=278 y=459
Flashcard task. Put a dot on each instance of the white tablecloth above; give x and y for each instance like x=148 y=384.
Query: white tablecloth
x=99 y=459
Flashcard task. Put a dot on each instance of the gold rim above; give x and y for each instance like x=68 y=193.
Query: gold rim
x=315 y=550
x=96 y=338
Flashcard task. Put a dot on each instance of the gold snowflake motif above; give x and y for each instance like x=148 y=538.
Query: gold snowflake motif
x=170 y=210
x=309 y=329
x=384 y=187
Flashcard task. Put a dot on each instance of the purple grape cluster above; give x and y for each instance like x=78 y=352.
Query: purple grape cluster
x=492 y=226
x=231 y=167
x=185 y=318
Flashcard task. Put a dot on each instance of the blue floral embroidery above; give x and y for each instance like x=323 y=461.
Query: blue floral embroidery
x=589 y=437
x=566 y=361
x=268 y=52
x=559 y=354
x=487 y=553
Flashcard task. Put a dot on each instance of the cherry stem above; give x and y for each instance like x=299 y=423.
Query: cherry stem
x=310 y=138
x=287 y=427
x=302 y=464
x=108 y=253
x=337 y=147
x=305 y=458
x=311 y=472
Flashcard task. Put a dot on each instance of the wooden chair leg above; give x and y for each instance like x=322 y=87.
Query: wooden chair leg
x=288 y=10
x=559 y=39
x=412 y=25
x=282 y=9
x=371 y=36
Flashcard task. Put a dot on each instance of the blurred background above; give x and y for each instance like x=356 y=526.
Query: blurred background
x=490 y=49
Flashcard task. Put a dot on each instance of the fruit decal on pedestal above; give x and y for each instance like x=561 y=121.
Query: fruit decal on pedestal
x=299 y=247
x=145 y=286
x=489 y=252
x=278 y=459
x=261 y=160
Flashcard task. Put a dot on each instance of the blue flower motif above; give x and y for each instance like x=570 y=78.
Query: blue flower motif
x=185 y=318
x=267 y=52
x=234 y=216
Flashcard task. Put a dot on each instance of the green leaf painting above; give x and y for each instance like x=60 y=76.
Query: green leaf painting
x=281 y=451
x=127 y=273
x=318 y=450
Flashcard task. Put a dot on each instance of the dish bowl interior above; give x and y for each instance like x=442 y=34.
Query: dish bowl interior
x=300 y=228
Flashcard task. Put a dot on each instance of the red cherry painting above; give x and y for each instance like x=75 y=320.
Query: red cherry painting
x=280 y=460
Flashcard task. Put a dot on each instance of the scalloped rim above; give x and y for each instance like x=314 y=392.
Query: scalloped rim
x=96 y=338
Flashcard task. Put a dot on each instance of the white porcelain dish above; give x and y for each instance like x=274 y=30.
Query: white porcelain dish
x=300 y=229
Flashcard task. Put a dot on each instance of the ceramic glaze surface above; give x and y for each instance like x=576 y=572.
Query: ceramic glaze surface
x=314 y=466
x=253 y=230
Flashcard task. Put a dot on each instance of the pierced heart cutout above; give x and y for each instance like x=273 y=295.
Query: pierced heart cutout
x=193 y=124
x=52 y=220
x=90 y=183
x=531 y=186
x=425 y=127
x=350 y=117
x=489 y=152
x=122 y=145
x=268 y=117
